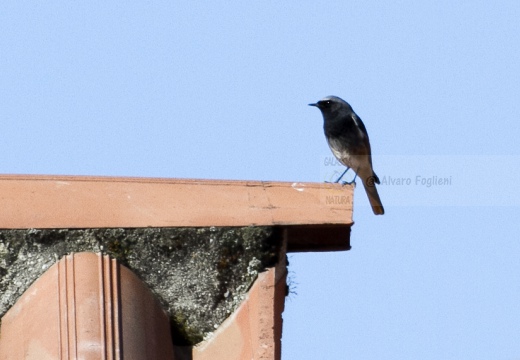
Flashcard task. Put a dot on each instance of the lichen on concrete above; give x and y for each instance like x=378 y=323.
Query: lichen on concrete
x=200 y=275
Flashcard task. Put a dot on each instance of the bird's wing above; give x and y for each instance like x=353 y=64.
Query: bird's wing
x=362 y=128
x=364 y=135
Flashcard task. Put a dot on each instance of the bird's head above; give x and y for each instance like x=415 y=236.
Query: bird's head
x=332 y=105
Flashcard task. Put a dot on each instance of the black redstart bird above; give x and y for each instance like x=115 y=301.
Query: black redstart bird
x=348 y=140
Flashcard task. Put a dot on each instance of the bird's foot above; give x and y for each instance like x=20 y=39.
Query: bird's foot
x=352 y=182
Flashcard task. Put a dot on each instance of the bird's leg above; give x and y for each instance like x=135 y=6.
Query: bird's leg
x=350 y=182
x=344 y=172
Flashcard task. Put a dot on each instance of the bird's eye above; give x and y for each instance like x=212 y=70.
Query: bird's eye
x=326 y=103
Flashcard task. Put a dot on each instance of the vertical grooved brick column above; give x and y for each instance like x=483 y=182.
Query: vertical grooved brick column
x=254 y=330
x=77 y=287
x=86 y=307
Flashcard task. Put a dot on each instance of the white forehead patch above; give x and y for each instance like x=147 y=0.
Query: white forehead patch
x=327 y=98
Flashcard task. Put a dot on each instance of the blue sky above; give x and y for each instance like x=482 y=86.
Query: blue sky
x=188 y=89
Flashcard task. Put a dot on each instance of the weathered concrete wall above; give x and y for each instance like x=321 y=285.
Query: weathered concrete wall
x=199 y=275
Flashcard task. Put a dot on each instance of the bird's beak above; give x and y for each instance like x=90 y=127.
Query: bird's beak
x=314 y=105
